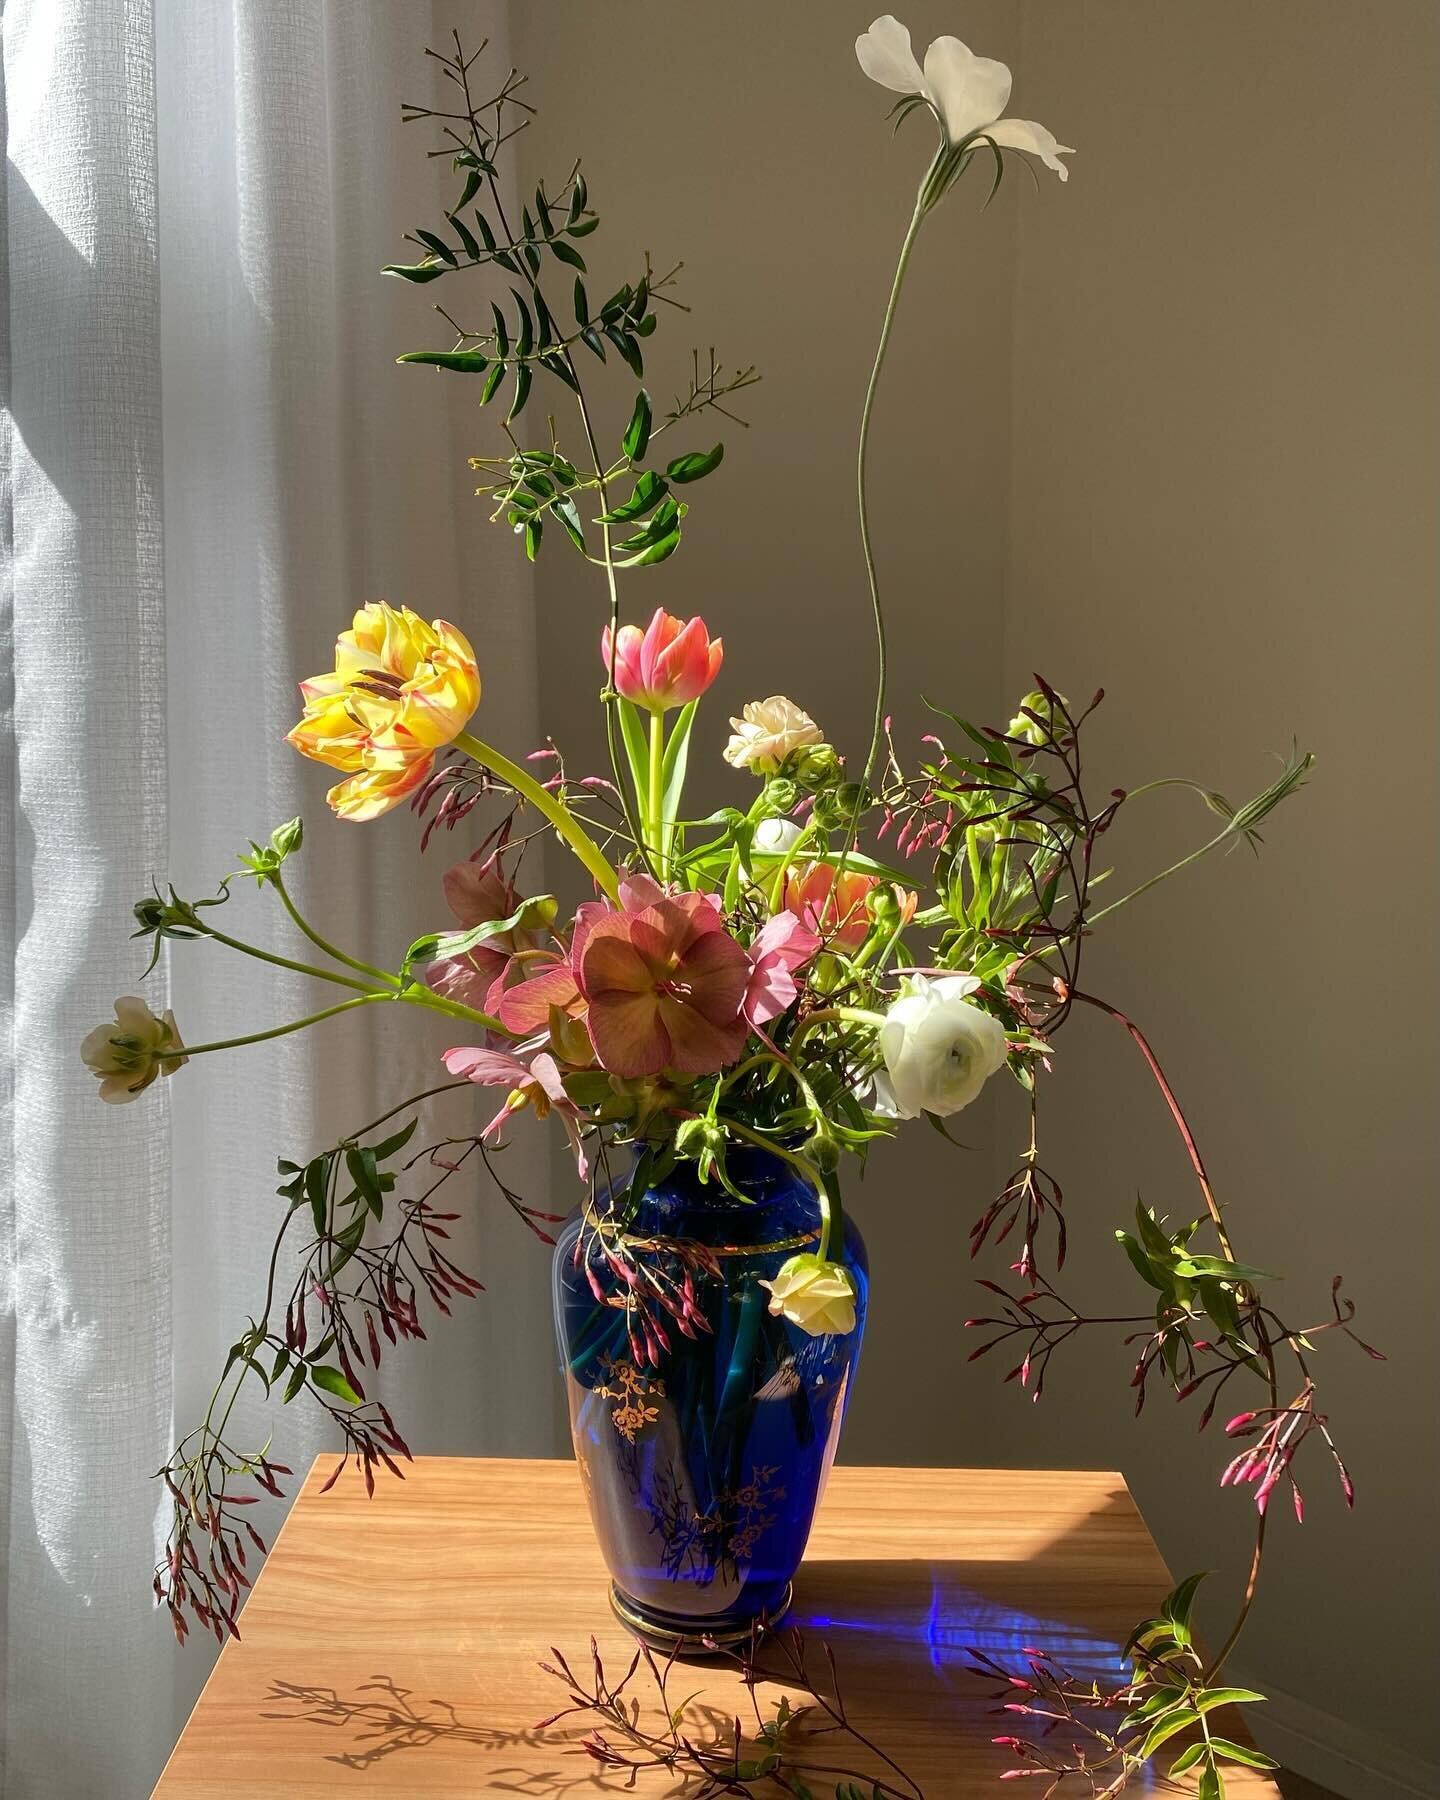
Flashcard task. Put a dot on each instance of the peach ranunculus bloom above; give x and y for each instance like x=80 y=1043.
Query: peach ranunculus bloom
x=400 y=691
x=670 y=663
x=767 y=731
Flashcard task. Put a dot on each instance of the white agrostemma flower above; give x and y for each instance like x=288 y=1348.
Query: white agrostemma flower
x=967 y=93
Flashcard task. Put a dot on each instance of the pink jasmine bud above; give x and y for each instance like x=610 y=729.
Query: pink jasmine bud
x=1239 y=1422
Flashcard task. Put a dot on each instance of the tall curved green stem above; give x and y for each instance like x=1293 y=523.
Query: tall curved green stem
x=544 y=802
x=862 y=454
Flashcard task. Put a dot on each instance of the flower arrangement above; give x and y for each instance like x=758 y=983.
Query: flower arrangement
x=856 y=940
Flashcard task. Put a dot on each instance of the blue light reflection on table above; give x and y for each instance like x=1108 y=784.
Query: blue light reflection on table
x=959 y=1619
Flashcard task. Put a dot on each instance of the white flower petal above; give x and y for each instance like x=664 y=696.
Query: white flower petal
x=966 y=90
x=885 y=55
x=1025 y=134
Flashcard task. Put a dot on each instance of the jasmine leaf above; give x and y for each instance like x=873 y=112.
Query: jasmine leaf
x=426 y=271
x=333 y=1382
x=695 y=465
x=649 y=490
x=637 y=432
x=460 y=362
x=1242 y=1753
x=438 y=246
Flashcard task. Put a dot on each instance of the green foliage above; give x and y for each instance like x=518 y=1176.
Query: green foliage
x=1172 y=1696
x=527 y=339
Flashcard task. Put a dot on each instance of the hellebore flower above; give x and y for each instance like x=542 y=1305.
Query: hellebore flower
x=400 y=691
x=536 y=1084
x=128 y=1055
x=526 y=1007
x=967 y=93
x=836 y=909
x=664 y=988
x=815 y=1295
x=939 y=1049
x=767 y=731
x=781 y=948
x=477 y=893
x=670 y=663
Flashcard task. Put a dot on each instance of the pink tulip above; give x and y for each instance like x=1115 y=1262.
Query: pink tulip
x=670 y=663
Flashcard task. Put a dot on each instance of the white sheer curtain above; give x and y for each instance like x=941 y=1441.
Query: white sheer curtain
x=210 y=458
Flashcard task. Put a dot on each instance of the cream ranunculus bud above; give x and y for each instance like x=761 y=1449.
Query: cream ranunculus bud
x=939 y=1049
x=815 y=1295
x=128 y=1055
x=774 y=837
x=766 y=733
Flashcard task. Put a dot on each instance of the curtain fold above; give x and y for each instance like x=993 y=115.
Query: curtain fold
x=210 y=460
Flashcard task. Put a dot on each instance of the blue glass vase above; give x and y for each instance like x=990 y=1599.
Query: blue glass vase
x=703 y=1459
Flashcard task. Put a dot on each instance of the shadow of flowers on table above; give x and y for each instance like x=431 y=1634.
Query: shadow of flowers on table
x=385 y=1719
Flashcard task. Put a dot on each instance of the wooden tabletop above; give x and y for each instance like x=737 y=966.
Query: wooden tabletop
x=390 y=1645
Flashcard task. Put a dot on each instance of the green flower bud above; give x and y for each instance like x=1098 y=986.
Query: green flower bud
x=780 y=796
x=1021 y=726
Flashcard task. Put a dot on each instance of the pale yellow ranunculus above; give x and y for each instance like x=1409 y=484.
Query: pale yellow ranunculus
x=400 y=691
x=816 y=1295
x=128 y=1054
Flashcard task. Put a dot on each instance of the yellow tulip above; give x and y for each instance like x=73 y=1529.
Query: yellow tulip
x=400 y=691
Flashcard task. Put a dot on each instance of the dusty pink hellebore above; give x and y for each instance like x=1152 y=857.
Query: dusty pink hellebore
x=670 y=663
x=664 y=987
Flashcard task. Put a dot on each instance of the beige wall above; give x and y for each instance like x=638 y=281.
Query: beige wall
x=1170 y=429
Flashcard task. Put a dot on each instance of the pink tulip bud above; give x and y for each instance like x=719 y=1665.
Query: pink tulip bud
x=670 y=663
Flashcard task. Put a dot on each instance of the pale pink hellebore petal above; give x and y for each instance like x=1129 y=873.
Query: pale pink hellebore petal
x=783 y=946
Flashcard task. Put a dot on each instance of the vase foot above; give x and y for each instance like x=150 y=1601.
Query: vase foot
x=692 y=1637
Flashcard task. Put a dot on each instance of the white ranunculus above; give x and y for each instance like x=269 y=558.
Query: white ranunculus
x=815 y=1295
x=939 y=1049
x=128 y=1054
x=967 y=93
x=775 y=837
x=767 y=731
